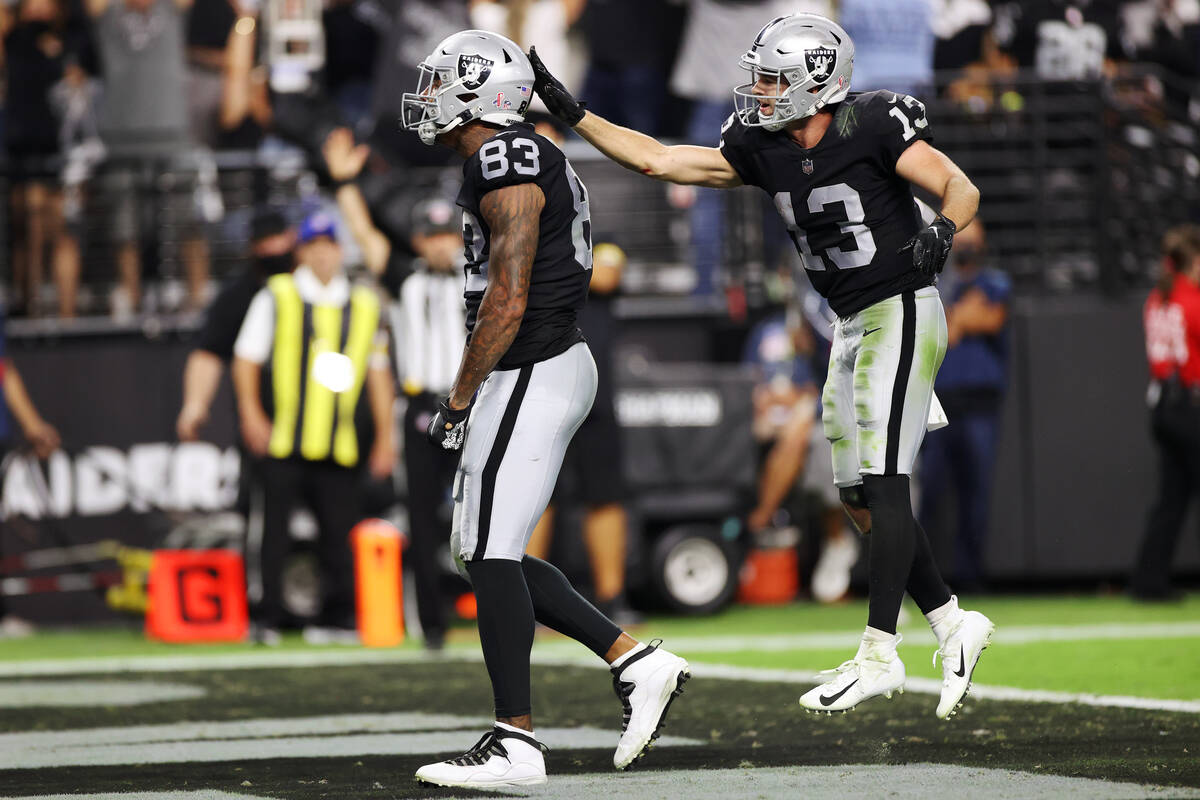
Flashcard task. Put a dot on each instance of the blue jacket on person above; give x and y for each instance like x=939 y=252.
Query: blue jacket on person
x=979 y=361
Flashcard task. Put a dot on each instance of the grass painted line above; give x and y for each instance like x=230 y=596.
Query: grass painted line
x=287 y=657
x=896 y=782
x=978 y=691
x=343 y=735
x=833 y=640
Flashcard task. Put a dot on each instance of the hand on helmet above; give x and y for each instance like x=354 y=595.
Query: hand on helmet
x=558 y=100
x=931 y=246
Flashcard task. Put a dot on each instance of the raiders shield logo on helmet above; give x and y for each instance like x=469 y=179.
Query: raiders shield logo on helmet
x=473 y=70
x=820 y=62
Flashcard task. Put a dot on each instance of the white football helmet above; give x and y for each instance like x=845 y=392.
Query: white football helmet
x=469 y=75
x=813 y=56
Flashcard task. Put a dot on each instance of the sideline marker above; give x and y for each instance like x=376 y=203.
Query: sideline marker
x=377 y=544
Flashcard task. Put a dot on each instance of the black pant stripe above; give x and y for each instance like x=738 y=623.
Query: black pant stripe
x=496 y=457
x=908 y=343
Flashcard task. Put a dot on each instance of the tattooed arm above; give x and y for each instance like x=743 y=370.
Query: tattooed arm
x=513 y=214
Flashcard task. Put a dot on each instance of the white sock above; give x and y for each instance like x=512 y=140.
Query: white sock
x=621 y=659
x=943 y=619
x=873 y=638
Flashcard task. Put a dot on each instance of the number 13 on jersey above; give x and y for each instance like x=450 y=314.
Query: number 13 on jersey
x=850 y=222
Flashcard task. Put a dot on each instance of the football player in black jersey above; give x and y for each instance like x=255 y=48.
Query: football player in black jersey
x=525 y=383
x=840 y=168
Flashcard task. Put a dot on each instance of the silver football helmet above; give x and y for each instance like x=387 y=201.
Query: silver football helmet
x=809 y=56
x=469 y=75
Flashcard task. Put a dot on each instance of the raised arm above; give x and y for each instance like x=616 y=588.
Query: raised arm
x=345 y=160
x=703 y=166
x=513 y=215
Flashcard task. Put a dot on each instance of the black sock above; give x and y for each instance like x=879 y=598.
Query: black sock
x=505 y=631
x=925 y=582
x=557 y=605
x=893 y=542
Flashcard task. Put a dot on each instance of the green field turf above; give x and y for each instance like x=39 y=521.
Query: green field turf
x=343 y=728
x=1151 y=667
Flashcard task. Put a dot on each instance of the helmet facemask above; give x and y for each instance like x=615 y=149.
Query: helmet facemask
x=422 y=110
x=797 y=95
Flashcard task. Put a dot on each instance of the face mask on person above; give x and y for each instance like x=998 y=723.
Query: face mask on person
x=273 y=265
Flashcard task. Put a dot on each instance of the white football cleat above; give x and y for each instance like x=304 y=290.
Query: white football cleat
x=875 y=670
x=960 y=653
x=503 y=757
x=647 y=682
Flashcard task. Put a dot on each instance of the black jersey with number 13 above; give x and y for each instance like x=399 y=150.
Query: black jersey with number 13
x=846 y=209
x=562 y=265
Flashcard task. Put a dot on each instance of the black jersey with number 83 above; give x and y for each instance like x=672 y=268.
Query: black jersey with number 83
x=562 y=266
x=846 y=209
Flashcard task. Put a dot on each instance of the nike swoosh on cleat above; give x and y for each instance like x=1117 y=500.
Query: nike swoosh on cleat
x=962 y=663
x=868 y=333
x=830 y=700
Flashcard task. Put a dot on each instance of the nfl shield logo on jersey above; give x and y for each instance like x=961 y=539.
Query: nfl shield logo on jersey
x=807 y=166
x=820 y=62
x=474 y=70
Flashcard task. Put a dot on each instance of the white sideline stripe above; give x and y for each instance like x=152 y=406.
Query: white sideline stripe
x=894 y=781
x=714 y=644
x=404 y=733
x=1004 y=635
x=979 y=691
x=81 y=694
x=336 y=724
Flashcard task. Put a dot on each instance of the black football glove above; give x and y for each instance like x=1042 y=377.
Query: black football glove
x=558 y=100
x=448 y=427
x=931 y=246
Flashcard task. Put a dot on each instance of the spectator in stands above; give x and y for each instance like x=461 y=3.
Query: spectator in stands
x=893 y=44
x=959 y=27
x=352 y=34
x=40 y=50
x=627 y=43
x=540 y=23
x=791 y=354
x=1175 y=46
x=706 y=71
x=1061 y=40
x=208 y=27
x=413 y=29
x=970 y=385
x=41 y=436
x=315 y=456
x=145 y=125
x=272 y=241
x=245 y=111
x=1172 y=322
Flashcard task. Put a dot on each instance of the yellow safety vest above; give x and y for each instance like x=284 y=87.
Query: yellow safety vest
x=302 y=331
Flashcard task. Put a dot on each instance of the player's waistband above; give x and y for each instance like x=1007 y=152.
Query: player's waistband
x=925 y=293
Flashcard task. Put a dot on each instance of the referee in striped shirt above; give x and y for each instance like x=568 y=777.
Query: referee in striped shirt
x=429 y=321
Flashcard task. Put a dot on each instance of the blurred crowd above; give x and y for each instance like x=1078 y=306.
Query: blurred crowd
x=117 y=113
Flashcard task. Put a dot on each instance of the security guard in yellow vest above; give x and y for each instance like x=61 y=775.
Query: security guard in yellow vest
x=312 y=376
